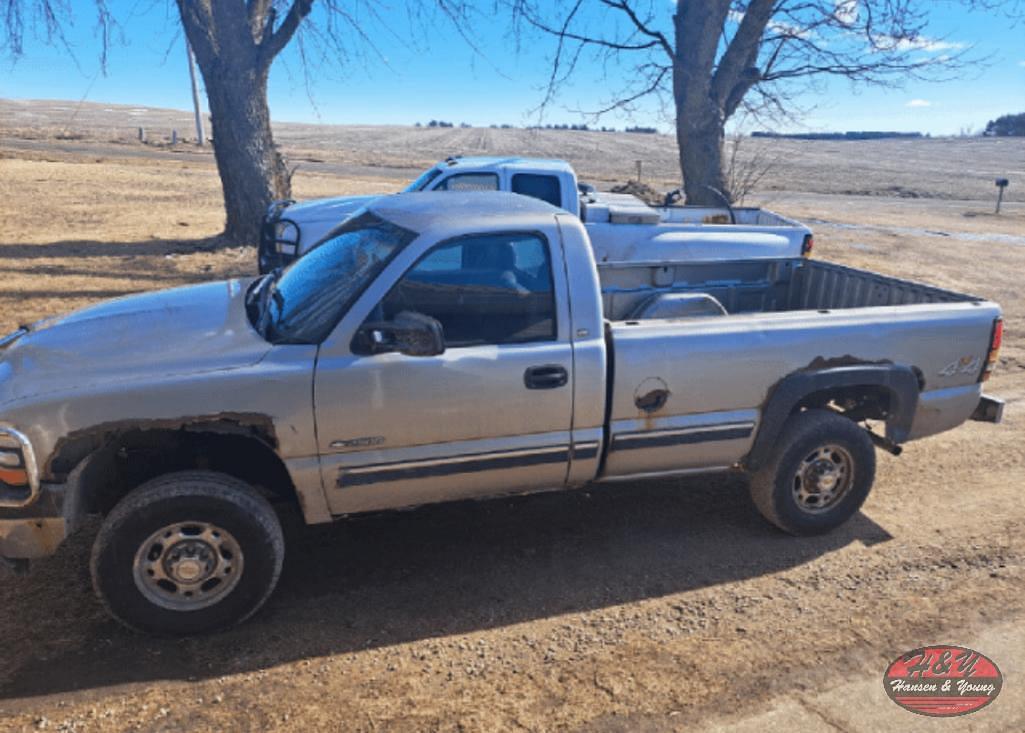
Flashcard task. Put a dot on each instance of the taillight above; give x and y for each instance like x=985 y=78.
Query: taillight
x=808 y=245
x=995 y=340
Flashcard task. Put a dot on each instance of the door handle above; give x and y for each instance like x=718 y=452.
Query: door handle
x=548 y=376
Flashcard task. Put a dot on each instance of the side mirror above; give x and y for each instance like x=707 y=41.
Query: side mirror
x=410 y=333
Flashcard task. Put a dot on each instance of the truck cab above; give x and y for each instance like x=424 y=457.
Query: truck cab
x=291 y=228
x=552 y=181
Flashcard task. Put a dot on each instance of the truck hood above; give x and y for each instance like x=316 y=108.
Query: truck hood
x=171 y=332
x=336 y=209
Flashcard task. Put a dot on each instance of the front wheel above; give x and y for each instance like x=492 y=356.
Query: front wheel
x=187 y=553
x=820 y=474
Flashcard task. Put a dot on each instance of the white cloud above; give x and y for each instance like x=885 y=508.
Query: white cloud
x=885 y=43
x=928 y=44
x=846 y=11
x=776 y=26
x=919 y=103
x=789 y=29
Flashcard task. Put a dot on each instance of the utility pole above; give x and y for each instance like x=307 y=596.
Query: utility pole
x=195 y=94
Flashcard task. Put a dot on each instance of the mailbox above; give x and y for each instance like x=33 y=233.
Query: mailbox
x=1002 y=183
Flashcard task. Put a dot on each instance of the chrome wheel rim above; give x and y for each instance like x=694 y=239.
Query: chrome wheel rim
x=188 y=566
x=823 y=478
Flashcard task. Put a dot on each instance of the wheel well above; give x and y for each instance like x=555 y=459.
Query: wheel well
x=859 y=402
x=131 y=457
x=861 y=392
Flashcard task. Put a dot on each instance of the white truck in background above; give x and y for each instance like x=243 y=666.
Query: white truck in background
x=621 y=227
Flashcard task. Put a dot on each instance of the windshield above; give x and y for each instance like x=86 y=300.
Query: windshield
x=421 y=183
x=303 y=303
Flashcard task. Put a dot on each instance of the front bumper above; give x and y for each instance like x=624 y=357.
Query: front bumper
x=37 y=530
x=30 y=539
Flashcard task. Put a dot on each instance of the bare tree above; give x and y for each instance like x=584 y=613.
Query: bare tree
x=714 y=57
x=746 y=164
x=235 y=43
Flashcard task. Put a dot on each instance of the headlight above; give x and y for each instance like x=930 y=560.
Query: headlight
x=19 y=482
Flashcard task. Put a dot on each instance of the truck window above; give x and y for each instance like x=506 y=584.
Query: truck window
x=423 y=180
x=489 y=289
x=469 y=182
x=538 y=186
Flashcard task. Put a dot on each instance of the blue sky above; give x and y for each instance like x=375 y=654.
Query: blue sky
x=437 y=75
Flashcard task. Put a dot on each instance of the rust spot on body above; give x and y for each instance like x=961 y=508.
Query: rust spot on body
x=650 y=397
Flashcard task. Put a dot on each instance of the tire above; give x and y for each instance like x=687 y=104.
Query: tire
x=210 y=529
x=822 y=469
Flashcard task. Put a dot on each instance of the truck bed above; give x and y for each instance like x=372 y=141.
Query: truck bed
x=778 y=318
x=622 y=228
x=762 y=286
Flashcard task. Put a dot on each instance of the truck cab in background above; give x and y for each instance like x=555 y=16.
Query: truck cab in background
x=620 y=226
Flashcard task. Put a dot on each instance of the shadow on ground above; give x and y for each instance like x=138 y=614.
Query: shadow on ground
x=72 y=249
x=385 y=579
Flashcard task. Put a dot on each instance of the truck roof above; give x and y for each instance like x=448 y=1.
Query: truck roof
x=495 y=162
x=420 y=211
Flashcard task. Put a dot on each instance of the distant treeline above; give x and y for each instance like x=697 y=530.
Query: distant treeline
x=1006 y=126
x=851 y=135
x=582 y=128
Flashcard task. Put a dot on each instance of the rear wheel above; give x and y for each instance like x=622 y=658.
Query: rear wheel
x=188 y=553
x=820 y=474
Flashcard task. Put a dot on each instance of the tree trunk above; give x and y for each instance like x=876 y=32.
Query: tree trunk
x=252 y=171
x=700 y=119
x=700 y=139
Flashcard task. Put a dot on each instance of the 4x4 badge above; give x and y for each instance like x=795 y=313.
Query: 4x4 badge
x=964 y=365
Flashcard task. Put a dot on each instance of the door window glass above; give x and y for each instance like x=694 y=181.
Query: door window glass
x=492 y=289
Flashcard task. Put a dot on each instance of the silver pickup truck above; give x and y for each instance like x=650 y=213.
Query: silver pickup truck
x=439 y=347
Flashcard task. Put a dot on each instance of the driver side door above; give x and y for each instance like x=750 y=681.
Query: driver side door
x=492 y=414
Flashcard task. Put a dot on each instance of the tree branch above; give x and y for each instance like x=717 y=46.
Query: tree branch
x=257 y=11
x=641 y=25
x=197 y=22
x=271 y=46
x=733 y=75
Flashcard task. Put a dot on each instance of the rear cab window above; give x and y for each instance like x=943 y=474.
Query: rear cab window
x=535 y=185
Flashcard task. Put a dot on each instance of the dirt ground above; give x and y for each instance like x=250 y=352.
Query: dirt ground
x=663 y=605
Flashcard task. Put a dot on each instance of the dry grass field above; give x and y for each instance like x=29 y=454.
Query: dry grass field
x=665 y=605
